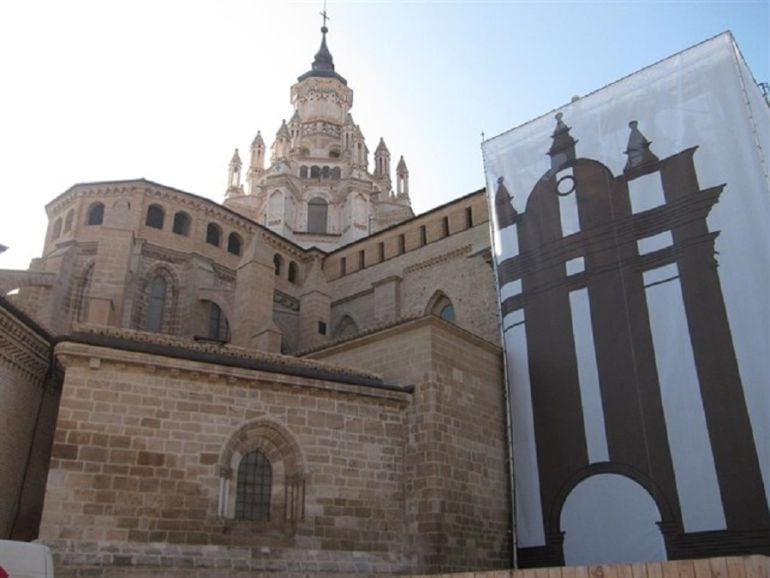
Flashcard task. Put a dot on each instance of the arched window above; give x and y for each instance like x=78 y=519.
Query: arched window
x=293 y=272
x=56 y=232
x=255 y=478
x=325 y=172
x=262 y=475
x=95 y=214
x=213 y=234
x=68 y=220
x=315 y=172
x=277 y=263
x=218 y=327
x=181 y=224
x=234 y=244
x=317 y=212
x=303 y=172
x=156 y=305
x=336 y=173
x=441 y=306
x=155 y=217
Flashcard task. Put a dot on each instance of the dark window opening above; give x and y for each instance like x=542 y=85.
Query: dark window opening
x=468 y=217
x=381 y=251
x=277 y=264
x=322 y=328
x=95 y=214
x=293 y=272
x=401 y=244
x=423 y=236
x=445 y=226
x=361 y=259
x=156 y=306
x=213 y=234
x=255 y=479
x=234 y=244
x=181 y=224
x=218 y=327
x=155 y=217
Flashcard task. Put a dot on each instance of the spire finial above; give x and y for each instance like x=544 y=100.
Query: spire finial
x=325 y=17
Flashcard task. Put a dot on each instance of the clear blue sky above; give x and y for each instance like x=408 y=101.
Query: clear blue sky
x=166 y=89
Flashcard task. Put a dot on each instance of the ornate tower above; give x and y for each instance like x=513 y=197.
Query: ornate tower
x=317 y=190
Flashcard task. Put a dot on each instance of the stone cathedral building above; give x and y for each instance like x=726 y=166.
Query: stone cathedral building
x=303 y=380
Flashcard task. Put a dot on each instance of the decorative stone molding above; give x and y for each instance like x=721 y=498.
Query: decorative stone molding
x=22 y=348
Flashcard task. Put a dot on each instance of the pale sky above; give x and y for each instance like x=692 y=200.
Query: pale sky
x=166 y=89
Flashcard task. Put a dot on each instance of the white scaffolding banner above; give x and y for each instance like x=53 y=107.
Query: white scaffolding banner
x=632 y=251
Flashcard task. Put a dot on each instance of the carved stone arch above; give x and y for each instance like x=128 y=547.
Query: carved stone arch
x=79 y=292
x=346 y=327
x=441 y=306
x=211 y=317
x=276 y=443
x=170 y=313
x=216 y=297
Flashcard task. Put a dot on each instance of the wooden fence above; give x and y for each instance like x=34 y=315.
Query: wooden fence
x=738 y=567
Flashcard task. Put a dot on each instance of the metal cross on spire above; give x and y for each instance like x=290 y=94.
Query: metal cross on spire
x=325 y=17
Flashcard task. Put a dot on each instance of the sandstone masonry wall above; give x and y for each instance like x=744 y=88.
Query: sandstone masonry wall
x=142 y=452
x=456 y=472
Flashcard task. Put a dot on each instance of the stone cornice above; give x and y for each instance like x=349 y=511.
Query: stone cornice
x=179 y=352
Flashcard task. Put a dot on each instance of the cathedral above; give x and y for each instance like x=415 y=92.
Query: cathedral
x=305 y=379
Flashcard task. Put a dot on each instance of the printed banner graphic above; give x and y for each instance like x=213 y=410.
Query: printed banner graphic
x=632 y=253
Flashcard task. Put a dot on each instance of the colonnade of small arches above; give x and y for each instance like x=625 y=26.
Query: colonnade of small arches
x=155 y=218
x=318 y=172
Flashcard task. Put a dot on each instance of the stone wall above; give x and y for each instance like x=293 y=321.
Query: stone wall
x=147 y=446
x=28 y=402
x=402 y=285
x=458 y=508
